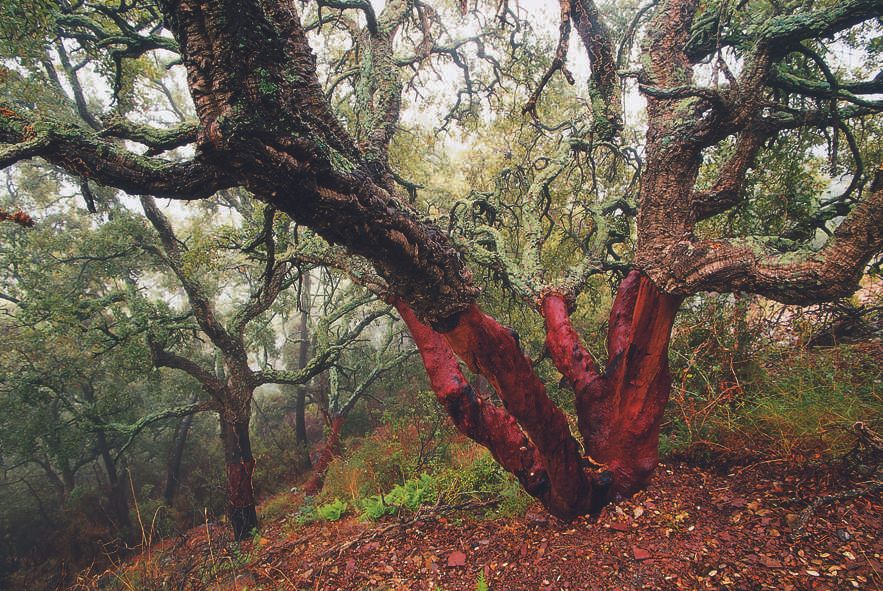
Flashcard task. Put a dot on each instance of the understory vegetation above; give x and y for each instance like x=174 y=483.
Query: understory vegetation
x=740 y=397
x=272 y=270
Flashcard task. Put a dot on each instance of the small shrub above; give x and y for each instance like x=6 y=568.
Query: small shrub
x=306 y=513
x=332 y=511
x=410 y=495
x=413 y=493
x=414 y=439
x=374 y=507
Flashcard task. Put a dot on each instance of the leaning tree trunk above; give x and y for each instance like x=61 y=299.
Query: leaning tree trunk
x=330 y=449
x=240 y=468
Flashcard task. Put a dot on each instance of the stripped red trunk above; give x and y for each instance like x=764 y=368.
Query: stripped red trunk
x=474 y=415
x=330 y=449
x=240 y=469
x=619 y=411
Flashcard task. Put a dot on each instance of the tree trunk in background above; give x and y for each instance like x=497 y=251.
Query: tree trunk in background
x=117 y=496
x=240 y=468
x=173 y=466
x=300 y=408
x=330 y=449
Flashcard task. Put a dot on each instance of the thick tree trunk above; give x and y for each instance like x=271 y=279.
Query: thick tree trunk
x=619 y=411
x=620 y=418
x=240 y=468
x=173 y=466
x=529 y=436
x=330 y=449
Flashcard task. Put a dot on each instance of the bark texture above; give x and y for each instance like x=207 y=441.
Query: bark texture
x=240 y=462
x=330 y=450
x=265 y=123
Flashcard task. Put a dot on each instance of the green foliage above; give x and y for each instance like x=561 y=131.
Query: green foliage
x=276 y=507
x=333 y=510
x=306 y=513
x=473 y=473
x=412 y=439
x=481 y=583
x=410 y=496
x=744 y=382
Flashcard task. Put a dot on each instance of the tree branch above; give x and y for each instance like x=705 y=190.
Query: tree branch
x=203 y=308
x=793 y=278
x=156 y=139
x=727 y=189
x=84 y=153
x=162 y=358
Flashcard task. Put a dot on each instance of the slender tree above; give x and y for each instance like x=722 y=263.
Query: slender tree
x=231 y=384
x=348 y=381
x=265 y=122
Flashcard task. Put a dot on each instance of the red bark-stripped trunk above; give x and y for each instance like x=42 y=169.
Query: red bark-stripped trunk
x=240 y=469
x=493 y=350
x=530 y=436
x=475 y=416
x=619 y=411
x=330 y=449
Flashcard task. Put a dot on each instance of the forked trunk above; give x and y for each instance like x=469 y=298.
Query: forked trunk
x=240 y=469
x=619 y=411
x=330 y=449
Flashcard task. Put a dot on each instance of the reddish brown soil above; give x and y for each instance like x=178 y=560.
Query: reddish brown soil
x=690 y=530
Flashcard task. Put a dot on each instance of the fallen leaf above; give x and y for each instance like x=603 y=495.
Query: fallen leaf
x=456 y=558
x=640 y=553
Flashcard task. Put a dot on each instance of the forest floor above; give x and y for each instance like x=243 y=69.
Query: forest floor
x=692 y=529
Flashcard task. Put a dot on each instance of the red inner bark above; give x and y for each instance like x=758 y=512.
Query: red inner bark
x=474 y=415
x=240 y=492
x=619 y=411
x=330 y=449
x=493 y=351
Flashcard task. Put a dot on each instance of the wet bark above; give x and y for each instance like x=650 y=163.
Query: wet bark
x=240 y=462
x=330 y=449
